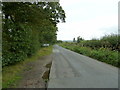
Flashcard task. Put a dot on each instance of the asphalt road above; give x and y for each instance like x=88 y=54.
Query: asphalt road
x=73 y=70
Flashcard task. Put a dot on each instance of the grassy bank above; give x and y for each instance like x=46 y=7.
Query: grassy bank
x=101 y=54
x=11 y=74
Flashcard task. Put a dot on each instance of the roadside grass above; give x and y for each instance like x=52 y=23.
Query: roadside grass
x=12 y=74
x=102 y=54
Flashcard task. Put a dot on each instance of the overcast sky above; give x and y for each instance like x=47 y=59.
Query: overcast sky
x=88 y=19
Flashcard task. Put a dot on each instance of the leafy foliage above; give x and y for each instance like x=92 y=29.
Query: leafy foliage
x=26 y=26
x=74 y=40
x=108 y=41
x=105 y=50
x=79 y=39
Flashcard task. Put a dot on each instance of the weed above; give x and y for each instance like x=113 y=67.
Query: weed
x=12 y=74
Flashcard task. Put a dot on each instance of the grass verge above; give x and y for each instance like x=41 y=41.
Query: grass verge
x=102 y=54
x=11 y=74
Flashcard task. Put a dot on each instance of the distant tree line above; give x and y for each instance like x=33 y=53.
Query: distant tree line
x=26 y=26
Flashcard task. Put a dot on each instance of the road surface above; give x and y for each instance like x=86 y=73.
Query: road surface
x=73 y=70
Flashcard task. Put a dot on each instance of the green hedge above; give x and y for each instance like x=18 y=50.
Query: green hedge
x=102 y=54
x=108 y=41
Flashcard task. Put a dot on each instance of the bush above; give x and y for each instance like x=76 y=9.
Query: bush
x=107 y=41
x=102 y=54
x=18 y=44
x=82 y=50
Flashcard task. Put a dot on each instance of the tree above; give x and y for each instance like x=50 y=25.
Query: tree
x=26 y=26
x=59 y=41
x=74 y=40
x=79 y=39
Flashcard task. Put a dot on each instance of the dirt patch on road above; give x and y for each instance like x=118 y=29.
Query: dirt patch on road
x=47 y=72
x=35 y=73
x=49 y=65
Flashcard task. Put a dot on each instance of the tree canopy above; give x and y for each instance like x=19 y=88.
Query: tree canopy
x=26 y=26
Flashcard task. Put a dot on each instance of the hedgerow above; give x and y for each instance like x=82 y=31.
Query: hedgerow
x=107 y=41
x=101 y=54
